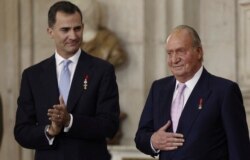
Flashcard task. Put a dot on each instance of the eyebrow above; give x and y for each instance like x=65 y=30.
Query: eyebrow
x=67 y=28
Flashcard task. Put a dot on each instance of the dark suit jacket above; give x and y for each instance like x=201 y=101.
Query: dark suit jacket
x=95 y=110
x=218 y=131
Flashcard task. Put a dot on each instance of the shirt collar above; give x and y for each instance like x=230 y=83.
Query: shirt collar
x=74 y=58
x=192 y=82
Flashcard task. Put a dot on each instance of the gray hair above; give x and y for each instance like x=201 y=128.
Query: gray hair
x=195 y=37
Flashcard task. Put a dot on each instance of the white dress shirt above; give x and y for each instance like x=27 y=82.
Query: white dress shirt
x=190 y=84
x=72 y=66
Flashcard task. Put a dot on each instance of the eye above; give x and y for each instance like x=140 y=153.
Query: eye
x=181 y=51
x=64 y=30
x=78 y=28
x=169 y=53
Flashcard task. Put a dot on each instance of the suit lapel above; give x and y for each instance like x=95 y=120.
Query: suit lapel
x=49 y=81
x=165 y=109
x=82 y=70
x=191 y=110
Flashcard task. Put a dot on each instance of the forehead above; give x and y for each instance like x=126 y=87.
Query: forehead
x=179 y=38
x=63 y=18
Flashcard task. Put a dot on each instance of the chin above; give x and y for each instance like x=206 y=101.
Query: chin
x=74 y=49
x=177 y=71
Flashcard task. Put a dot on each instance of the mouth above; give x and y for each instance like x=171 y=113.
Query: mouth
x=179 y=66
x=73 y=44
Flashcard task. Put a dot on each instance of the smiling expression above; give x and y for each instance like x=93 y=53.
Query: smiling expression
x=67 y=33
x=184 y=60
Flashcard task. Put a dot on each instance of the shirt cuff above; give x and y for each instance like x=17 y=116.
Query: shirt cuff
x=50 y=139
x=66 y=129
x=154 y=150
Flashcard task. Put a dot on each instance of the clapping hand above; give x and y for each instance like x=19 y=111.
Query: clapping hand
x=59 y=117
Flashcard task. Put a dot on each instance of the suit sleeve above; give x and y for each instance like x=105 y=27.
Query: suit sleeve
x=146 y=127
x=235 y=125
x=27 y=131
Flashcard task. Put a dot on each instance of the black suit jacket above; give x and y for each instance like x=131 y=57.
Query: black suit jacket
x=95 y=110
x=217 y=131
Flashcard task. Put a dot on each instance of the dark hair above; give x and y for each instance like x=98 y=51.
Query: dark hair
x=61 y=6
x=192 y=32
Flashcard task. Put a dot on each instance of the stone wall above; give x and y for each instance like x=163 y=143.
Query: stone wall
x=142 y=27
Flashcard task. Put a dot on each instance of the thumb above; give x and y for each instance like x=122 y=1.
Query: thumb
x=61 y=100
x=166 y=126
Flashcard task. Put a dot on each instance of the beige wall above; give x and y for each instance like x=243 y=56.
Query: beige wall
x=141 y=26
x=9 y=80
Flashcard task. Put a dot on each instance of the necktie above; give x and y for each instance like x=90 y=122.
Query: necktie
x=64 y=81
x=177 y=106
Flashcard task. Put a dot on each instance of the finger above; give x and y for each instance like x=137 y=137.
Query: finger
x=49 y=115
x=56 y=118
x=178 y=140
x=169 y=148
x=166 y=126
x=52 y=112
x=61 y=101
x=178 y=135
x=177 y=144
x=62 y=111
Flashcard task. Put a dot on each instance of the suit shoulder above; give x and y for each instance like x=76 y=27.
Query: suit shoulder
x=98 y=62
x=221 y=82
x=164 y=80
x=38 y=67
x=159 y=83
x=101 y=63
x=222 y=85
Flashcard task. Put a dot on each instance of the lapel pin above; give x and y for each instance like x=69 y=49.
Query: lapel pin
x=200 y=103
x=85 y=82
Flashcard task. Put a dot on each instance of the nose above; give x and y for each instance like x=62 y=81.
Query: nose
x=72 y=35
x=175 y=58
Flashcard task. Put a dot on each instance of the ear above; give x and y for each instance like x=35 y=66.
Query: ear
x=199 y=50
x=50 y=32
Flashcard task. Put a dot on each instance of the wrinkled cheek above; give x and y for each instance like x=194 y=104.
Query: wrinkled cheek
x=63 y=43
x=169 y=63
x=186 y=67
x=189 y=68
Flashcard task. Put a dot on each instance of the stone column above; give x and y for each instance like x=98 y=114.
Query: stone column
x=9 y=68
x=218 y=35
x=126 y=20
x=243 y=52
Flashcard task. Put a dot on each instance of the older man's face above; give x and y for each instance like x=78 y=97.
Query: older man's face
x=184 y=60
